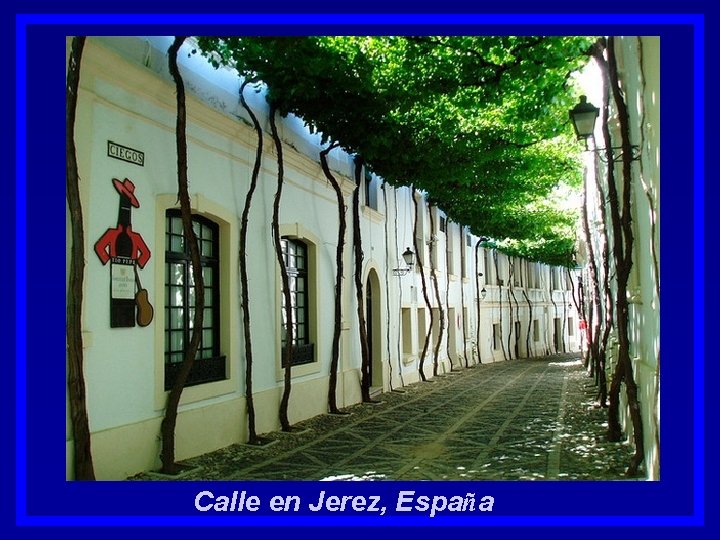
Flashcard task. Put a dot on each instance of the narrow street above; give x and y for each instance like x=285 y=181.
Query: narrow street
x=514 y=420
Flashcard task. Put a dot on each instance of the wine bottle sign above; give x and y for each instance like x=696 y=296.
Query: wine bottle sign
x=125 y=250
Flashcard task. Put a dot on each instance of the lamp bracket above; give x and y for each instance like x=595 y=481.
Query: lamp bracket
x=617 y=153
x=399 y=272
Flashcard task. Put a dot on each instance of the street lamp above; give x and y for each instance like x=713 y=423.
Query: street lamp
x=409 y=258
x=583 y=116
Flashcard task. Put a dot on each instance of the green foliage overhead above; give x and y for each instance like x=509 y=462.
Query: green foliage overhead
x=478 y=122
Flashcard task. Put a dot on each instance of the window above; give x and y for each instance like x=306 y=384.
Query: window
x=557 y=333
x=536 y=330
x=209 y=364
x=555 y=281
x=442 y=224
x=497 y=336
x=295 y=255
x=371 y=198
x=406 y=319
x=489 y=267
x=422 y=328
x=500 y=281
x=533 y=276
x=571 y=326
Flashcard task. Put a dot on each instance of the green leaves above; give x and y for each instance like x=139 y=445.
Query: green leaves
x=478 y=122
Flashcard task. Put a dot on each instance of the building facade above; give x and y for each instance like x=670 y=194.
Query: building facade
x=125 y=139
x=638 y=64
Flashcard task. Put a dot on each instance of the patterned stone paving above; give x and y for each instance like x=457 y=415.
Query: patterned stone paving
x=514 y=420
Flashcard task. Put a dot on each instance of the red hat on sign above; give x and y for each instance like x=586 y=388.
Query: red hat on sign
x=127 y=188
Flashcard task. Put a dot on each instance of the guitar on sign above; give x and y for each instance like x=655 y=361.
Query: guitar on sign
x=145 y=310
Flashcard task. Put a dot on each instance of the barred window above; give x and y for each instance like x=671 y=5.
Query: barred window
x=295 y=256
x=209 y=364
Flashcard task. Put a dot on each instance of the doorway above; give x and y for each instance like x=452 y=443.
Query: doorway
x=374 y=331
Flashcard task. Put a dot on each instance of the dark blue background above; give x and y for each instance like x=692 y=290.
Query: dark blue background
x=48 y=494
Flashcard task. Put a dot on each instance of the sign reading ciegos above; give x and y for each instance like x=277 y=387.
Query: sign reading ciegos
x=124 y=153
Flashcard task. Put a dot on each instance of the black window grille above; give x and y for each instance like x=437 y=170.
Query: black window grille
x=209 y=364
x=295 y=256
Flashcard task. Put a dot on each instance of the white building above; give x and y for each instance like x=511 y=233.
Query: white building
x=639 y=75
x=125 y=129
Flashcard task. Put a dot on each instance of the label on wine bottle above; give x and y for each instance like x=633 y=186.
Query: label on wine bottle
x=123 y=279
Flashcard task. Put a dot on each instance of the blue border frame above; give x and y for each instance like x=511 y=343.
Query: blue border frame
x=699 y=270
x=22 y=517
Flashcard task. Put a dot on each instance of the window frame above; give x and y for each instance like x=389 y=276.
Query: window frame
x=497 y=336
x=316 y=332
x=450 y=265
x=207 y=368
x=371 y=195
x=303 y=347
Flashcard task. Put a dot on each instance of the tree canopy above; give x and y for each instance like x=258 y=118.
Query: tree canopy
x=477 y=122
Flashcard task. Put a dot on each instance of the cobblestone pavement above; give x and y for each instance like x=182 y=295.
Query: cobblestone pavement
x=514 y=420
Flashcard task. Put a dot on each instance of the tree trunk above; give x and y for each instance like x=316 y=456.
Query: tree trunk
x=573 y=292
x=436 y=286
x=424 y=288
x=556 y=342
x=585 y=342
x=400 y=289
x=342 y=227
x=517 y=310
x=497 y=274
x=530 y=324
x=244 y=286
x=478 y=299
x=607 y=293
x=593 y=323
x=564 y=327
x=546 y=289
x=531 y=353
x=622 y=251
x=277 y=241
x=384 y=188
x=359 y=256
x=463 y=264
x=168 y=424
x=623 y=270
x=82 y=453
x=447 y=299
x=511 y=292
x=590 y=361
x=511 y=320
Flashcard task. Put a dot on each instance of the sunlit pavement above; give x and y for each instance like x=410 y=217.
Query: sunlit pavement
x=513 y=420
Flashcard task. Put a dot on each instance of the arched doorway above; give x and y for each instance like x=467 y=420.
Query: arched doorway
x=373 y=301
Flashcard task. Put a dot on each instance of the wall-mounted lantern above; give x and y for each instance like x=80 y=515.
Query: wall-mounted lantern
x=583 y=117
x=409 y=258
